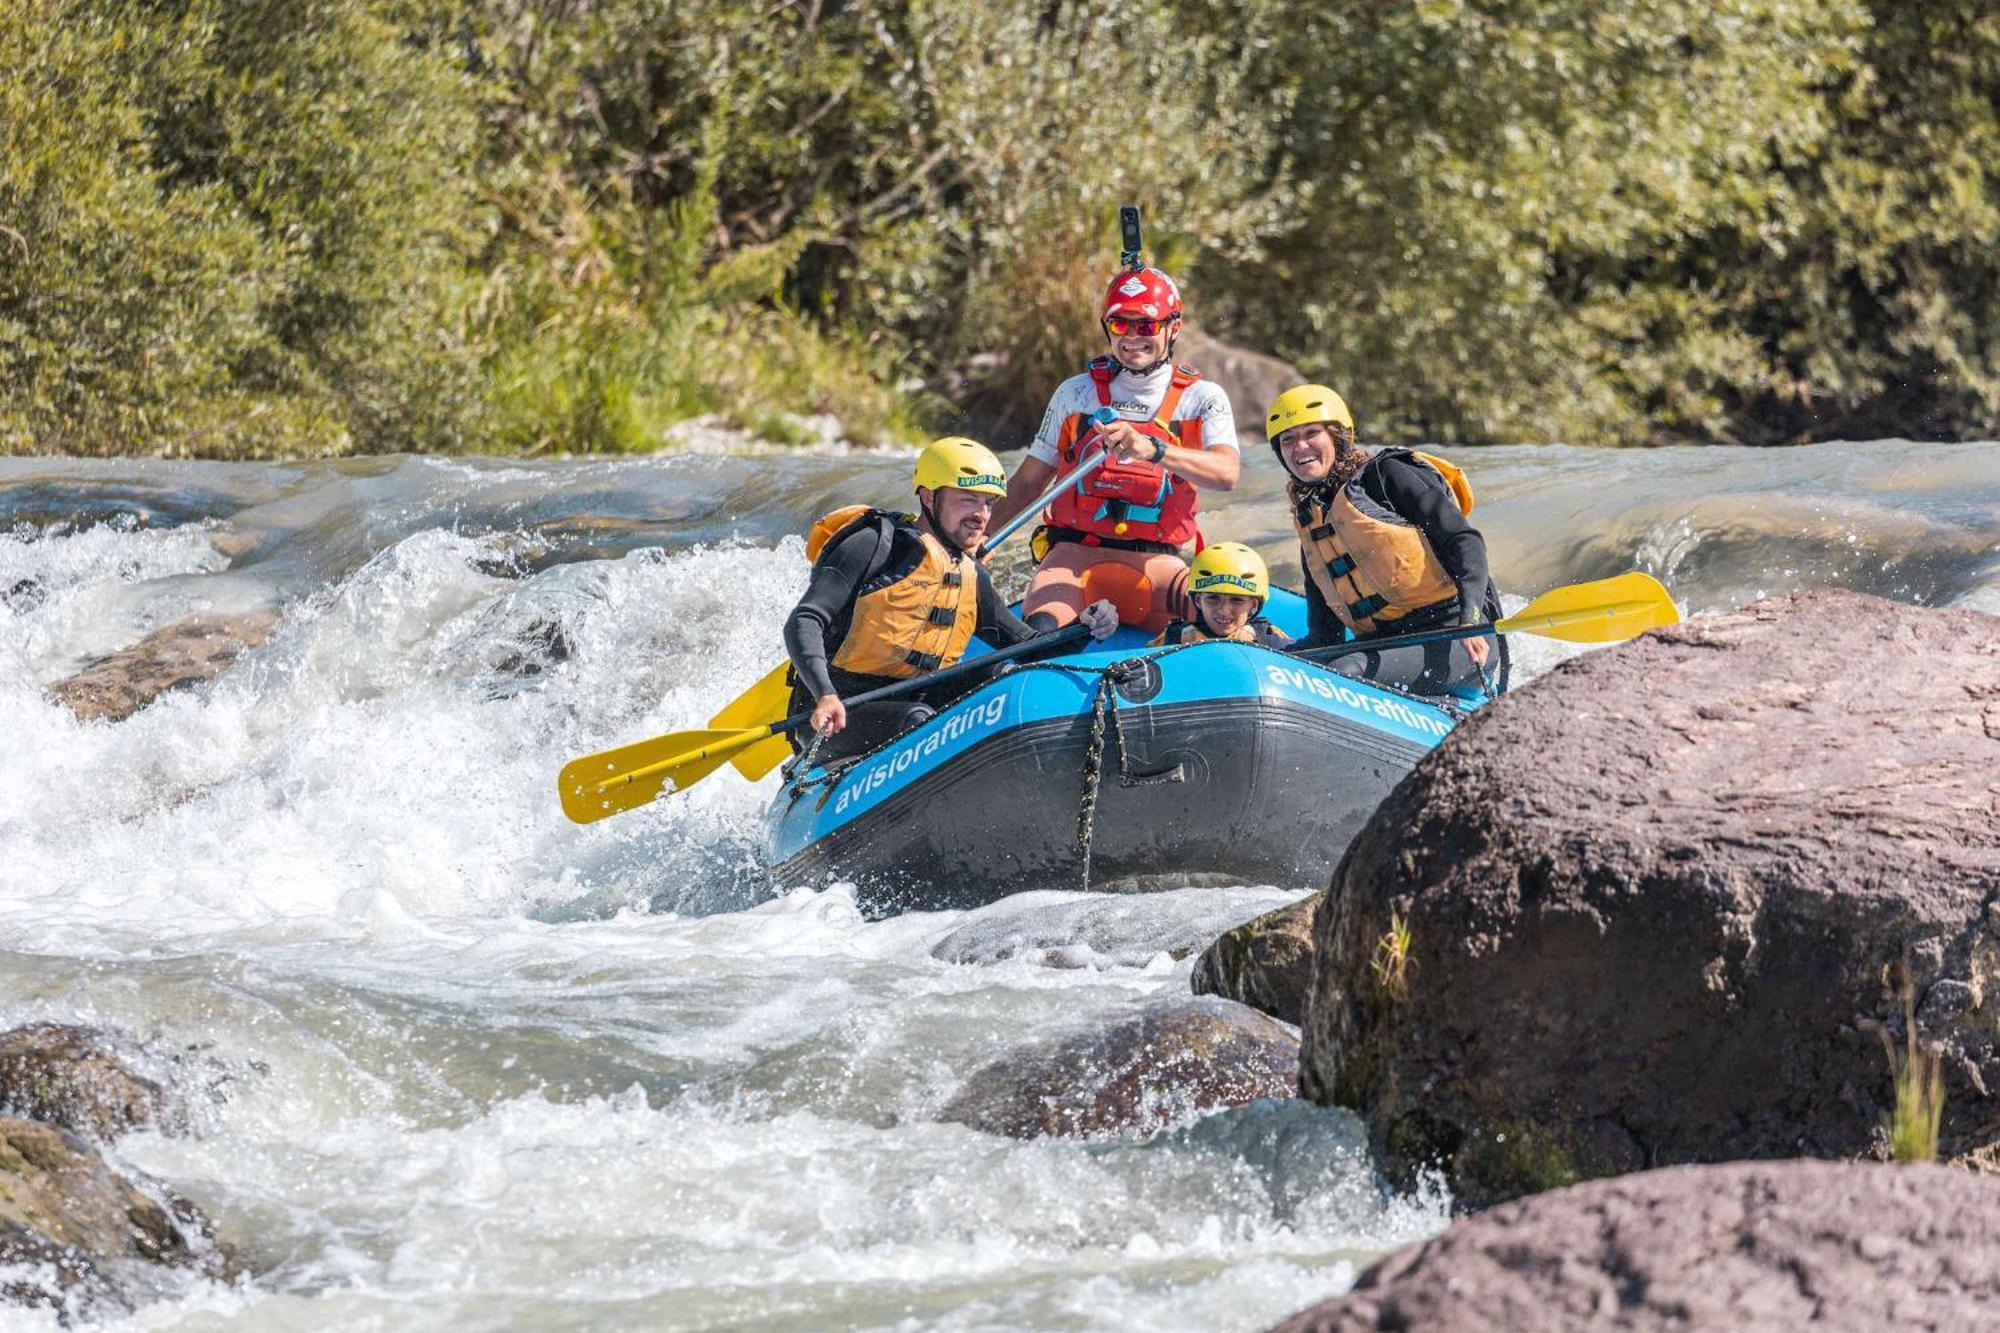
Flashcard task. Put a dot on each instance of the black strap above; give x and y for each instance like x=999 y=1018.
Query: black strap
x=1368 y=606
x=943 y=615
x=1078 y=537
x=885 y=545
x=923 y=662
x=1340 y=566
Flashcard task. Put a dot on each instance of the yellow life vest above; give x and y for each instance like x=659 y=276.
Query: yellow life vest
x=1372 y=565
x=920 y=623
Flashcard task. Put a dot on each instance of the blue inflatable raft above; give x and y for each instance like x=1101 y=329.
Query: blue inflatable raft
x=1121 y=767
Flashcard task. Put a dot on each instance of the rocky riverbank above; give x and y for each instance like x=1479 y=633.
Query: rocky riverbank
x=1743 y=1247
x=79 y=1232
x=1731 y=891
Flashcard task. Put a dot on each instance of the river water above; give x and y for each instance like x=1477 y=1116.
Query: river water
x=456 y=1063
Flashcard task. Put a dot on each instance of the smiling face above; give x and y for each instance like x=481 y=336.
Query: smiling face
x=1309 y=451
x=1225 y=612
x=1136 y=349
x=961 y=516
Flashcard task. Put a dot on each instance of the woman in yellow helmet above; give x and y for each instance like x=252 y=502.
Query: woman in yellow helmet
x=896 y=596
x=1386 y=546
x=1227 y=587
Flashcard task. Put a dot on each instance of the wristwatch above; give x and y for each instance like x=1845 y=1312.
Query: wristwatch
x=1159 y=449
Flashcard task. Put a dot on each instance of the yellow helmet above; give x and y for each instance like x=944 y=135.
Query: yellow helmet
x=955 y=463
x=1230 y=568
x=1302 y=407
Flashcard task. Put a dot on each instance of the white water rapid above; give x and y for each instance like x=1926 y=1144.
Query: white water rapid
x=456 y=1063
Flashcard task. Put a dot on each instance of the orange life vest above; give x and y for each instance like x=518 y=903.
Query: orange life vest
x=1372 y=565
x=1130 y=502
x=914 y=625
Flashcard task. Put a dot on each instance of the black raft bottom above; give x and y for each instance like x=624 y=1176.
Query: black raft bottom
x=1237 y=791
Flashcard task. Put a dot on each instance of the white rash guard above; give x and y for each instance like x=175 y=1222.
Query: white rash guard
x=1137 y=398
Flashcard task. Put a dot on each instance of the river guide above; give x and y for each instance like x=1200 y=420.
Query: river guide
x=1163 y=431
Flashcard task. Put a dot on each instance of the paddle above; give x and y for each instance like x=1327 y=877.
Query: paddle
x=1602 y=611
x=613 y=781
x=1103 y=416
x=771 y=695
x=766 y=700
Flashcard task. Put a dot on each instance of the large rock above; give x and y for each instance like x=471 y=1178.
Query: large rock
x=1733 y=1249
x=1251 y=378
x=75 y=1233
x=1171 y=1063
x=176 y=656
x=1659 y=906
x=70 y=1076
x=1266 y=963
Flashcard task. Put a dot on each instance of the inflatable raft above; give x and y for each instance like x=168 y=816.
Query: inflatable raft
x=1120 y=767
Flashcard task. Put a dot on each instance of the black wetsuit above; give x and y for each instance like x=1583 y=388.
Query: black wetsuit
x=818 y=626
x=1421 y=496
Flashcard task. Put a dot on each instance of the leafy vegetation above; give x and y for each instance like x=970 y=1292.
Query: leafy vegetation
x=332 y=226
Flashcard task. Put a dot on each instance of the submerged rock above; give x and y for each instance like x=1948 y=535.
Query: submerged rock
x=1739 y=1247
x=1173 y=1062
x=184 y=653
x=1266 y=963
x=1659 y=905
x=69 y=1076
x=74 y=1233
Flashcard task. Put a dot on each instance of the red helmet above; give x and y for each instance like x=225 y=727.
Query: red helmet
x=1148 y=294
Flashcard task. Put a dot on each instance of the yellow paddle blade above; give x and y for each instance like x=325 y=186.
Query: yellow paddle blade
x=762 y=757
x=611 y=782
x=1602 y=611
x=759 y=706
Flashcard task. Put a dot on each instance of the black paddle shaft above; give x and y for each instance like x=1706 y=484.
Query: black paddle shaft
x=1355 y=647
x=1066 y=637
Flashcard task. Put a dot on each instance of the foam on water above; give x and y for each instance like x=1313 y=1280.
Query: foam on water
x=465 y=1046
x=474 y=1066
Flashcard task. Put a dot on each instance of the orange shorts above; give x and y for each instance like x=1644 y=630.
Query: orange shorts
x=1148 y=589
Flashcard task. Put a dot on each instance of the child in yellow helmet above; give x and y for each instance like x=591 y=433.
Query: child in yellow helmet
x=1227 y=585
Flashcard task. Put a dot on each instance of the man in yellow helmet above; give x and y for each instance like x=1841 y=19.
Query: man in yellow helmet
x=1227 y=586
x=894 y=596
x=1386 y=546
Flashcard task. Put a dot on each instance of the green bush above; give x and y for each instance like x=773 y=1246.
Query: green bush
x=1496 y=198
x=234 y=229
x=245 y=228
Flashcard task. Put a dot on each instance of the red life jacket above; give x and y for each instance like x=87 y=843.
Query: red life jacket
x=1128 y=502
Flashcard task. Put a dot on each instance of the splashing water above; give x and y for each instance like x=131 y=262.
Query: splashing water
x=484 y=1067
